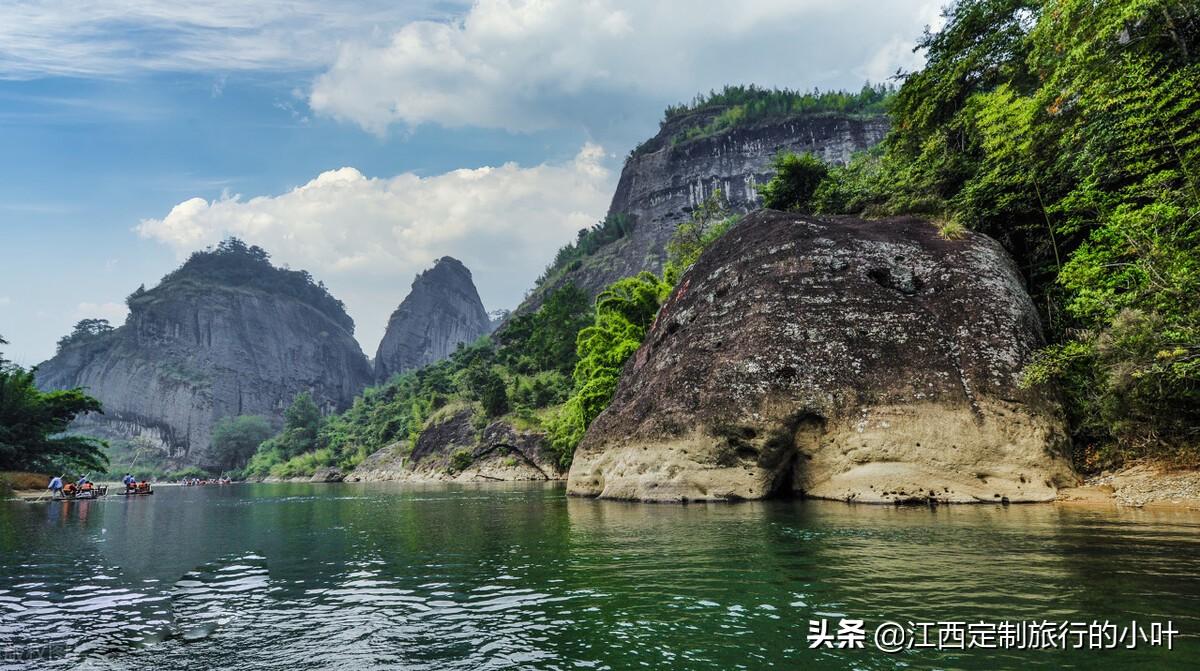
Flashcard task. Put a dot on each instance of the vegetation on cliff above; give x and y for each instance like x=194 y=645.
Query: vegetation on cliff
x=623 y=313
x=32 y=423
x=235 y=263
x=742 y=105
x=587 y=242
x=1070 y=131
x=797 y=178
x=85 y=330
x=757 y=102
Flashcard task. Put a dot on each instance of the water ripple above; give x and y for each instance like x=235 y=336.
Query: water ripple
x=348 y=578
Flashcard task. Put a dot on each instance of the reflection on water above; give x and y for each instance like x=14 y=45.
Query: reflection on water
x=366 y=576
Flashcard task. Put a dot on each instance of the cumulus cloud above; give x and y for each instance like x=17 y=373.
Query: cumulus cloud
x=367 y=237
x=115 y=37
x=530 y=64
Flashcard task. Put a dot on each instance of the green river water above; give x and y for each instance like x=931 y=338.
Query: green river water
x=376 y=576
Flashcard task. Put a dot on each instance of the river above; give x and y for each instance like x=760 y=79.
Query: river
x=367 y=576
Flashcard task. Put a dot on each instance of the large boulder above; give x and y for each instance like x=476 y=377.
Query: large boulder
x=868 y=361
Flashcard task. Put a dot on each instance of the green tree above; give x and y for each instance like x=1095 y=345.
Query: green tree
x=485 y=384
x=85 y=329
x=235 y=439
x=542 y=389
x=32 y=425
x=545 y=339
x=1069 y=130
x=301 y=426
x=709 y=221
x=624 y=312
x=796 y=179
x=589 y=241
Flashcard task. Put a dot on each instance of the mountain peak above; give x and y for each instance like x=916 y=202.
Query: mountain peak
x=442 y=311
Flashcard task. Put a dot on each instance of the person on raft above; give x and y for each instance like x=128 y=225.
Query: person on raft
x=56 y=487
x=128 y=481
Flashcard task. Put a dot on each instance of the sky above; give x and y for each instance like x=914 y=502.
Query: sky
x=360 y=140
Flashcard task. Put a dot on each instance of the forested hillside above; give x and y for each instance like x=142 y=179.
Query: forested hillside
x=1070 y=131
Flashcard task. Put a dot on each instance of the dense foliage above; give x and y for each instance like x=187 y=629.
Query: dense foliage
x=1070 y=131
x=235 y=440
x=526 y=371
x=797 y=177
x=302 y=423
x=624 y=312
x=587 y=242
x=235 y=263
x=742 y=105
x=756 y=102
x=544 y=340
x=32 y=423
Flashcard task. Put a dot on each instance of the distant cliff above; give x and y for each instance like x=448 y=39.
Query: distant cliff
x=225 y=334
x=668 y=175
x=442 y=311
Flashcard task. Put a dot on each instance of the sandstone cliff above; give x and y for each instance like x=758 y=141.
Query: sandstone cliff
x=667 y=176
x=226 y=334
x=452 y=448
x=442 y=311
x=842 y=359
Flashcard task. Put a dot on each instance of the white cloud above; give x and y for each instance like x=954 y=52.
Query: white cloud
x=530 y=64
x=114 y=312
x=367 y=237
x=5 y=300
x=115 y=37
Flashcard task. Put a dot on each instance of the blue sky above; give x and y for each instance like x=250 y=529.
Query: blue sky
x=360 y=140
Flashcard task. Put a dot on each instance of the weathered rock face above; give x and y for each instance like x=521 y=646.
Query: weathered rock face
x=498 y=452
x=841 y=359
x=213 y=340
x=442 y=310
x=665 y=178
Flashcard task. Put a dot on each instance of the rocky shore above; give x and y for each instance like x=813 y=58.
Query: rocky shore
x=1140 y=485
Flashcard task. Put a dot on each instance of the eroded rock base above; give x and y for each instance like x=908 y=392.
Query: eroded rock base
x=889 y=454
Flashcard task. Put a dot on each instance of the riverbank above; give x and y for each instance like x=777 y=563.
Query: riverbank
x=14 y=481
x=1143 y=485
x=40 y=492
